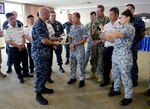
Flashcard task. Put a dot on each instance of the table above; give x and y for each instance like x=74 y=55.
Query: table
x=144 y=44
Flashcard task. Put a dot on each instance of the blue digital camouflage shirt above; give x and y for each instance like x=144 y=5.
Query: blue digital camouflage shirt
x=67 y=26
x=58 y=28
x=139 y=26
x=78 y=32
x=39 y=32
x=122 y=46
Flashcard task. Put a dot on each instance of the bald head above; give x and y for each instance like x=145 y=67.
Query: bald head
x=44 y=13
x=15 y=13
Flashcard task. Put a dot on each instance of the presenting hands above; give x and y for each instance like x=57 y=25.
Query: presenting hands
x=60 y=39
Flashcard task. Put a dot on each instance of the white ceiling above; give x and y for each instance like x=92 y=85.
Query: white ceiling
x=69 y=4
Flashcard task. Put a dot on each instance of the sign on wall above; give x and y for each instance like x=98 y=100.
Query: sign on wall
x=2 y=8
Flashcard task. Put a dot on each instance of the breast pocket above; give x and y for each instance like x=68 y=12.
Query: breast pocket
x=20 y=33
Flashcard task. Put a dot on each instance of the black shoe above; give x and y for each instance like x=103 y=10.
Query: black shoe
x=40 y=99
x=21 y=80
x=28 y=76
x=61 y=70
x=125 y=102
x=147 y=93
x=103 y=84
x=148 y=103
x=9 y=70
x=71 y=81
x=47 y=91
x=50 y=81
x=135 y=84
x=67 y=62
x=113 y=93
x=81 y=84
x=112 y=87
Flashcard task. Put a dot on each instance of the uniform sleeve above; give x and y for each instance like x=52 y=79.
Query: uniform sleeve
x=61 y=28
x=142 y=25
x=128 y=31
x=64 y=25
x=5 y=24
x=26 y=32
x=70 y=32
x=30 y=32
x=85 y=32
x=41 y=31
x=6 y=35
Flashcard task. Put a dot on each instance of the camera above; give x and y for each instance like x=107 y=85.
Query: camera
x=99 y=29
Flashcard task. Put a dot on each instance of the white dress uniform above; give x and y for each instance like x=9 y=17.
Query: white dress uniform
x=28 y=30
x=15 y=34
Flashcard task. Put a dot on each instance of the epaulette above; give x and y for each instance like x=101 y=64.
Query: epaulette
x=6 y=27
x=19 y=25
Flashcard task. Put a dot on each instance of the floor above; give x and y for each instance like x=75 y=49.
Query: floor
x=21 y=96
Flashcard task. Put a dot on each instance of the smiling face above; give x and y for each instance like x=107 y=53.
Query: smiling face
x=75 y=19
x=99 y=12
x=12 y=20
x=113 y=16
x=52 y=16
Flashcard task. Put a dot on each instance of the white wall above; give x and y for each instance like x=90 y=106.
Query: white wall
x=85 y=12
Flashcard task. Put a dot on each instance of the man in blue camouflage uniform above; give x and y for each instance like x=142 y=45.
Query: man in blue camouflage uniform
x=97 y=44
x=41 y=55
x=139 y=26
x=78 y=37
x=8 y=50
x=67 y=26
x=59 y=30
x=88 y=42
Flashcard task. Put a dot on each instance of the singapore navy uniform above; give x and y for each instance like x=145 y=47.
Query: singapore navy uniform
x=15 y=34
x=78 y=32
x=9 y=51
x=122 y=60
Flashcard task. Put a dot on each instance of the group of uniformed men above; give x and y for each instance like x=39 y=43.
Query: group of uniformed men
x=43 y=36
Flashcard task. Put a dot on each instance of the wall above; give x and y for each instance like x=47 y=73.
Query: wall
x=31 y=10
x=85 y=12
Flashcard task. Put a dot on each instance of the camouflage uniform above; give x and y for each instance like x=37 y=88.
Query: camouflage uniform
x=78 y=32
x=96 y=51
x=88 y=46
x=122 y=60
x=40 y=55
